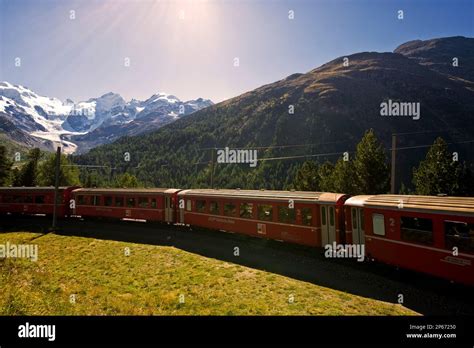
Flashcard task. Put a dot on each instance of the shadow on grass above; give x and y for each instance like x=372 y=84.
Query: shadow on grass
x=421 y=293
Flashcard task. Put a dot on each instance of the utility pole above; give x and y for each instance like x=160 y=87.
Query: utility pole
x=56 y=185
x=212 y=168
x=394 y=155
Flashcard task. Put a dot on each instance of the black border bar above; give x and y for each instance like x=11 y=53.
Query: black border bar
x=257 y=330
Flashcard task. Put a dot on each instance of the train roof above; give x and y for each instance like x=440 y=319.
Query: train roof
x=35 y=188
x=464 y=205
x=125 y=191
x=322 y=197
x=357 y=201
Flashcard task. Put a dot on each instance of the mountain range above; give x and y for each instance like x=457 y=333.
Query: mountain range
x=35 y=120
x=332 y=106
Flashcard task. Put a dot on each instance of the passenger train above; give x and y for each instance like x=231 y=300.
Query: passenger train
x=428 y=234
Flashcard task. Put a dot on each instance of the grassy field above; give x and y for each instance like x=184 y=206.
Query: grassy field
x=156 y=280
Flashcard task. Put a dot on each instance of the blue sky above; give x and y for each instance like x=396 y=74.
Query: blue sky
x=187 y=48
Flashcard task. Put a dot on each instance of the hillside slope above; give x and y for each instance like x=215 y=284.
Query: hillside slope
x=333 y=106
x=157 y=280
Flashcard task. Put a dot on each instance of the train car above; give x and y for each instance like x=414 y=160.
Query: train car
x=307 y=218
x=433 y=235
x=354 y=219
x=34 y=200
x=157 y=204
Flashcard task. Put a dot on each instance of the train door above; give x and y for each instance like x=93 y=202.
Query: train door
x=181 y=214
x=357 y=217
x=328 y=225
x=183 y=204
x=168 y=208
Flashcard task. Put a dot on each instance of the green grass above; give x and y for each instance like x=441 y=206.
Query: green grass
x=151 y=280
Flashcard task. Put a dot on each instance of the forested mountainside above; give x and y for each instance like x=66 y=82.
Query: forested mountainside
x=334 y=105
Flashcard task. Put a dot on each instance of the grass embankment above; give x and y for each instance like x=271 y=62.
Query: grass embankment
x=154 y=280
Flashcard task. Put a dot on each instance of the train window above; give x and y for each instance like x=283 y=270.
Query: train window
x=131 y=202
x=323 y=215
x=119 y=201
x=201 y=206
x=18 y=199
x=188 y=205
x=153 y=202
x=354 y=218
x=143 y=202
x=95 y=200
x=108 y=201
x=28 y=199
x=213 y=207
x=246 y=210
x=307 y=216
x=331 y=216
x=286 y=214
x=7 y=199
x=265 y=212
x=230 y=209
x=459 y=234
x=378 y=224
x=80 y=200
x=39 y=199
x=417 y=230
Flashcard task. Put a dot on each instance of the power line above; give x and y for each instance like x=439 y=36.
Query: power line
x=85 y=165
x=330 y=153
x=431 y=131
x=331 y=142
x=304 y=156
x=424 y=146
x=277 y=146
x=343 y=152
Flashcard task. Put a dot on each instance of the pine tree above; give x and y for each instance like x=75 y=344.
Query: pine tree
x=404 y=190
x=307 y=177
x=343 y=177
x=127 y=181
x=370 y=165
x=325 y=172
x=68 y=175
x=465 y=180
x=15 y=177
x=5 y=166
x=29 y=172
x=438 y=173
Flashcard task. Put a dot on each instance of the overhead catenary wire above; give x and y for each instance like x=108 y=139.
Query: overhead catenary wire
x=291 y=157
x=340 y=152
x=276 y=146
x=328 y=143
x=447 y=130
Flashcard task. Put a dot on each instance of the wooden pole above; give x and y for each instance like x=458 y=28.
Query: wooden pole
x=212 y=168
x=56 y=186
x=394 y=155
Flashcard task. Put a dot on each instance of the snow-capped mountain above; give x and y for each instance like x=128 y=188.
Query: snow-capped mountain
x=82 y=125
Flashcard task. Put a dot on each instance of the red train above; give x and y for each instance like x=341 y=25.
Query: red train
x=34 y=200
x=433 y=235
